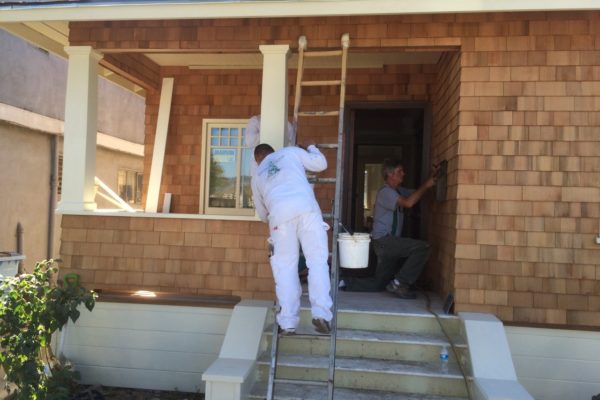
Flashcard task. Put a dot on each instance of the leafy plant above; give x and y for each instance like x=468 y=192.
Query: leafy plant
x=32 y=308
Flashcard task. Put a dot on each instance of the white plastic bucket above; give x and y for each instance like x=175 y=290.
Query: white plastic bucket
x=354 y=250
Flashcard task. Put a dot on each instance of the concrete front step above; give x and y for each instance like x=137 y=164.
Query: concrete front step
x=289 y=391
x=371 y=374
x=391 y=322
x=371 y=344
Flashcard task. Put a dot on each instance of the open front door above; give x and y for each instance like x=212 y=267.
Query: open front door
x=395 y=131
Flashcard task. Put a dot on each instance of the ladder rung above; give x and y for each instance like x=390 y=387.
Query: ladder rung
x=319 y=113
x=327 y=146
x=306 y=382
x=321 y=83
x=325 y=53
x=321 y=180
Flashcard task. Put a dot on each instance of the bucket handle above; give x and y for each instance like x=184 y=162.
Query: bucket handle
x=346 y=229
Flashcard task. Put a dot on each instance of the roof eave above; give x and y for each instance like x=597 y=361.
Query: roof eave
x=276 y=8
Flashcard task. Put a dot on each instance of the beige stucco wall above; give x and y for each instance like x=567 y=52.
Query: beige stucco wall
x=24 y=177
x=25 y=187
x=108 y=164
x=28 y=96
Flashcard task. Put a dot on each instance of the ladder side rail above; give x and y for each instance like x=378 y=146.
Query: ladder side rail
x=273 y=366
x=336 y=217
x=299 y=76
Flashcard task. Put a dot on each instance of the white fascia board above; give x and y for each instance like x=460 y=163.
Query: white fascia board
x=41 y=123
x=118 y=144
x=276 y=8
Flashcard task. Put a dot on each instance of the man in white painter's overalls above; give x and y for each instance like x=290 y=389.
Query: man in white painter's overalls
x=284 y=198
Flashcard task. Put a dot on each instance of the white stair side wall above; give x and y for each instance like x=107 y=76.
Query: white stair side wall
x=494 y=376
x=232 y=375
x=145 y=346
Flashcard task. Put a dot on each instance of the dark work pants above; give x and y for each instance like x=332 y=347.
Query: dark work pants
x=390 y=251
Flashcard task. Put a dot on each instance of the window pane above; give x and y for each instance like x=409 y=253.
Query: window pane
x=245 y=188
x=228 y=189
x=138 y=188
x=121 y=184
x=223 y=177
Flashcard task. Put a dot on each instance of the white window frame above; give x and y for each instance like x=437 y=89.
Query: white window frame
x=136 y=173
x=207 y=124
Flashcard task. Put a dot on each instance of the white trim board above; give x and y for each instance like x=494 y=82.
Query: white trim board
x=556 y=364
x=102 y=11
x=160 y=144
x=27 y=119
x=123 y=213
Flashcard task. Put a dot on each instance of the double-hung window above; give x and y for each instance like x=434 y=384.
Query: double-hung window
x=225 y=187
x=129 y=185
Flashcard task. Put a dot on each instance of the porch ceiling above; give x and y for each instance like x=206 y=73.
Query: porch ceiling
x=254 y=60
x=53 y=36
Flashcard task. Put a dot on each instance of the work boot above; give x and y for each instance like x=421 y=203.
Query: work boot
x=321 y=326
x=286 y=332
x=402 y=290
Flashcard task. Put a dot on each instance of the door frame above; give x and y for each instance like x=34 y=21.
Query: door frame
x=349 y=156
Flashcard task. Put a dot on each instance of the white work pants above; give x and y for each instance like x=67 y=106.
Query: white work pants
x=310 y=232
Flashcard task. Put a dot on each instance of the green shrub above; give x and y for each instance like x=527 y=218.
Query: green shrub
x=32 y=308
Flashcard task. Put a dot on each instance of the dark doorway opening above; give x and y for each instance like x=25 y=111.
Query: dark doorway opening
x=377 y=132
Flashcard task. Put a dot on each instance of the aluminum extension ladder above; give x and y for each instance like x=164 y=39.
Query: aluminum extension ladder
x=335 y=214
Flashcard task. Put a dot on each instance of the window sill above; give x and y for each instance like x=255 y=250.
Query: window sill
x=143 y=214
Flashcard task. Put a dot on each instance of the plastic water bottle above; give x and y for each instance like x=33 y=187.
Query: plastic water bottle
x=444 y=358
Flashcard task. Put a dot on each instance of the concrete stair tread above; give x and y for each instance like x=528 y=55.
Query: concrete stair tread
x=305 y=309
x=397 y=337
x=414 y=368
x=380 y=336
x=303 y=391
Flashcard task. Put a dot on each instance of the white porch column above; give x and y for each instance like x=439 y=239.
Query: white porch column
x=79 y=162
x=274 y=97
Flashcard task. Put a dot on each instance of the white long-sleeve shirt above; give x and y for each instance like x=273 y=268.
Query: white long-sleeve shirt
x=280 y=188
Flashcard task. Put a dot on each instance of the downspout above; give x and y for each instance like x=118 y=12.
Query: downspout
x=52 y=197
x=19 y=236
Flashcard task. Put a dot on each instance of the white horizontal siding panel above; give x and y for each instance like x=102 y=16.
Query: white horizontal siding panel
x=139 y=359
x=144 y=340
x=161 y=308
x=146 y=346
x=157 y=318
x=141 y=379
x=560 y=344
x=556 y=364
x=551 y=368
x=543 y=389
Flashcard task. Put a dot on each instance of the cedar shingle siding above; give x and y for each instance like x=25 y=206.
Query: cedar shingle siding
x=516 y=111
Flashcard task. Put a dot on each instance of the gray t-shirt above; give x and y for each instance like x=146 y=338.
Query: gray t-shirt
x=385 y=207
